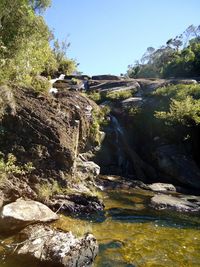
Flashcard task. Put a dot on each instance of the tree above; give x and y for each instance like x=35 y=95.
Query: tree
x=172 y=59
x=64 y=64
x=24 y=40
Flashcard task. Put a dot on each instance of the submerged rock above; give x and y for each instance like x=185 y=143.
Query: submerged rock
x=76 y=204
x=179 y=203
x=57 y=247
x=23 y=212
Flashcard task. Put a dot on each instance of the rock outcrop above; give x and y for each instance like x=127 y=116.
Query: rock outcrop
x=76 y=204
x=47 y=131
x=20 y=213
x=180 y=203
x=162 y=187
x=58 y=248
x=177 y=165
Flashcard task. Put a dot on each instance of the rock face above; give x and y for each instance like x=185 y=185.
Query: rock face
x=45 y=130
x=177 y=165
x=59 y=248
x=181 y=203
x=23 y=212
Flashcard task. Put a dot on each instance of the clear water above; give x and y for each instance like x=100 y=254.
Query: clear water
x=132 y=234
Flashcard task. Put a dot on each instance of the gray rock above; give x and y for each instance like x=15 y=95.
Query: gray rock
x=76 y=203
x=62 y=249
x=159 y=187
x=183 y=81
x=106 y=77
x=86 y=168
x=132 y=102
x=180 y=203
x=23 y=212
x=177 y=165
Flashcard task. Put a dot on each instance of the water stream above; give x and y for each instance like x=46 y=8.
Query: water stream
x=130 y=233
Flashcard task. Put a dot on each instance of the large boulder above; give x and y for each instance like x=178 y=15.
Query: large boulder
x=57 y=247
x=179 y=203
x=23 y=212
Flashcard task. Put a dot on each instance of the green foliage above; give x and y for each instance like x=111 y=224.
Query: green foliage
x=95 y=96
x=99 y=119
x=185 y=112
x=179 y=91
x=47 y=190
x=113 y=96
x=24 y=42
x=64 y=64
x=133 y=111
x=9 y=167
x=40 y=84
x=119 y=95
x=180 y=57
x=39 y=5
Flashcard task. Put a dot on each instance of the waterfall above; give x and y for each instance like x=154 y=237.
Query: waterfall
x=52 y=81
x=119 y=135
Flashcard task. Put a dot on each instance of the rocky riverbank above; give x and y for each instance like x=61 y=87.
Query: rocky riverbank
x=53 y=153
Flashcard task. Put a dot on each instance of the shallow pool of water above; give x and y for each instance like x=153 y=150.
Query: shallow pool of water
x=132 y=234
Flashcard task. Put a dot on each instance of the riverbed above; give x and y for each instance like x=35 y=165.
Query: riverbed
x=130 y=233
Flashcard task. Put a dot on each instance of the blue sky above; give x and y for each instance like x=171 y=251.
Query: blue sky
x=108 y=35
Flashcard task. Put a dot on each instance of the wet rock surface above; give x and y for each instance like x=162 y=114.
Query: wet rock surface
x=162 y=187
x=76 y=204
x=58 y=248
x=20 y=213
x=181 y=203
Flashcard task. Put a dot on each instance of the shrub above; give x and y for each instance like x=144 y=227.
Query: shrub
x=185 y=112
x=40 y=84
x=9 y=167
x=119 y=95
x=99 y=119
x=47 y=190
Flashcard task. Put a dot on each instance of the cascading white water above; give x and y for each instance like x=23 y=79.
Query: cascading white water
x=119 y=133
x=52 y=81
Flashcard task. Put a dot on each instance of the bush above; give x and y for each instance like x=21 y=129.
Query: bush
x=9 y=167
x=99 y=119
x=119 y=95
x=47 y=190
x=40 y=84
x=185 y=112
